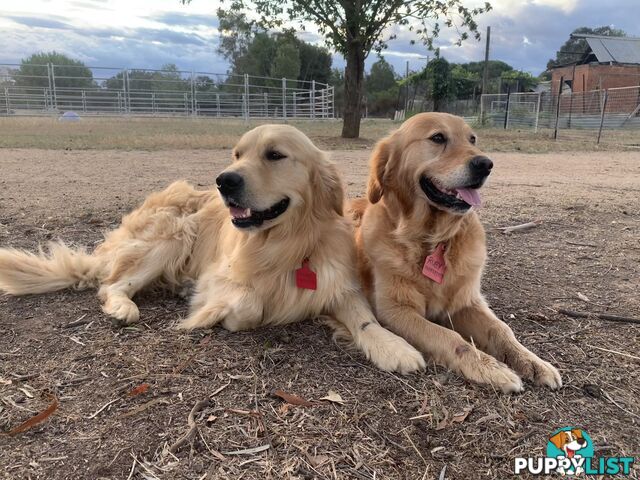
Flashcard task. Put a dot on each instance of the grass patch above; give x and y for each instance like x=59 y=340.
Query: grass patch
x=122 y=133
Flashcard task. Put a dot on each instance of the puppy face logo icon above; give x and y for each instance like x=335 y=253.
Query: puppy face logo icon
x=573 y=444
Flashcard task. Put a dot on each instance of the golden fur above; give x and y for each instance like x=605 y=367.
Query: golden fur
x=399 y=226
x=244 y=277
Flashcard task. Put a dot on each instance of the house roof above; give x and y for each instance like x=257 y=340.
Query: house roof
x=614 y=49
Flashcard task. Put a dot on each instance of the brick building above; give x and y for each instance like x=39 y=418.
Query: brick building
x=609 y=62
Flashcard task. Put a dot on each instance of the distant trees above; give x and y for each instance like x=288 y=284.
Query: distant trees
x=68 y=72
x=168 y=79
x=574 y=49
x=255 y=51
x=381 y=86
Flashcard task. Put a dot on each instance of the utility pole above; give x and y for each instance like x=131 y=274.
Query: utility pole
x=485 y=73
x=406 y=77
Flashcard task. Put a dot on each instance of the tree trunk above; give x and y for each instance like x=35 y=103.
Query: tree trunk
x=353 y=81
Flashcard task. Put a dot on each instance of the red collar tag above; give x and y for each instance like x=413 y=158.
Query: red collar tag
x=434 y=265
x=305 y=277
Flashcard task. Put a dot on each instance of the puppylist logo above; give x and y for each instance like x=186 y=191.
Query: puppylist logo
x=570 y=452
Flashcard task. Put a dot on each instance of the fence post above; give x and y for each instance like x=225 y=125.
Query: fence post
x=217 y=105
x=127 y=91
x=6 y=100
x=555 y=130
x=604 y=109
x=193 y=93
x=50 y=85
x=266 y=104
x=84 y=101
x=246 y=97
x=284 y=99
x=506 y=112
x=313 y=99
x=482 y=121
x=153 y=103
x=53 y=81
x=45 y=95
x=295 y=104
x=535 y=130
x=186 y=103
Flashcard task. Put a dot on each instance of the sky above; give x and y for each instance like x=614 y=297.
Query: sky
x=150 y=33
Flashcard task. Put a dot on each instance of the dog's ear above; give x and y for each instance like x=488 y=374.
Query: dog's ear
x=330 y=189
x=379 y=159
x=577 y=433
x=559 y=440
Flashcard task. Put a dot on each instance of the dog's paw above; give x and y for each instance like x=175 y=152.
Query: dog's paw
x=121 y=308
x=392 y=353
x=204 y=317
x=505 y=379
x=535 y=369
x=483 y=368
x=546 y=374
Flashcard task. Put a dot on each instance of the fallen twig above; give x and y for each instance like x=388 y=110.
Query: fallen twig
x=193 y=427
x=520 y=228
x=249 y=451
x=602 y=316
x=78 y=322
x=94 y=415
x=615 y=352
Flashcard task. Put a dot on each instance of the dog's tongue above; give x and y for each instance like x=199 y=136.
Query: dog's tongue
x=570 y=453
x=470 y=195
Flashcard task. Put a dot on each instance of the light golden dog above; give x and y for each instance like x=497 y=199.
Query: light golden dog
x=421 y=252
x=272 y=248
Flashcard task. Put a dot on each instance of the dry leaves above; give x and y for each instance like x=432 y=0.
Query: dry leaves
x=456 y=418
x=139 y=390
x=293 y=399
x=37 y=419
x=333 y=397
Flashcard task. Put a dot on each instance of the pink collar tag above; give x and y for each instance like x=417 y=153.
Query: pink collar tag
x=305 y=277
x=434 y=265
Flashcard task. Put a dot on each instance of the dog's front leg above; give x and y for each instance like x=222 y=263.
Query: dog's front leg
x=219 y=300
x=386 y=350
x=492 y=335
x=399 y=307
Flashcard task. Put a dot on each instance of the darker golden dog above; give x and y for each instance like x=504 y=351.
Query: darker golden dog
x=421 y=252
x=271 y=246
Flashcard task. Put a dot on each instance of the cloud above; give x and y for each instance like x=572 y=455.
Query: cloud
x=185 y=19
x=39 y=22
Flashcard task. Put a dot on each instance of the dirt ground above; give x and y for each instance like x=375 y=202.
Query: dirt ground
x=125 y=393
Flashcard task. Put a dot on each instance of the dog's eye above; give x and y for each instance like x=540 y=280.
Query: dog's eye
x=274 y=155
x=438 y=138
x=473 y=139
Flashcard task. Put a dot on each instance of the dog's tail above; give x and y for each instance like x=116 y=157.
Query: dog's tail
x=23 y=273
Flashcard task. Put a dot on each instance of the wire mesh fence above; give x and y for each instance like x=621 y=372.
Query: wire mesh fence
x=611 y=115
x=53 y=89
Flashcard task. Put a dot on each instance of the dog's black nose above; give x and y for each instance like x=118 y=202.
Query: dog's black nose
x=581 y=441
x=480 y=166
x=229 y=182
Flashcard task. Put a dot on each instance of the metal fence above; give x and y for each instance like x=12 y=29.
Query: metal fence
x=53 y=89
x=598 y=115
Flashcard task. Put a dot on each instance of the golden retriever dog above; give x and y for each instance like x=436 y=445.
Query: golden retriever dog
x=421 y=252
x=270 y=247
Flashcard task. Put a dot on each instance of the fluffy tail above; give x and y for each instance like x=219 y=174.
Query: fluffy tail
x=23 y=273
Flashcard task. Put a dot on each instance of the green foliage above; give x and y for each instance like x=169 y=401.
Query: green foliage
x=33 y=71
x=286 y=63
x=574 y=49
x=336 y=80
x=382 y=89
x=442 y=86
x=519 y=81
x=168 y=79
